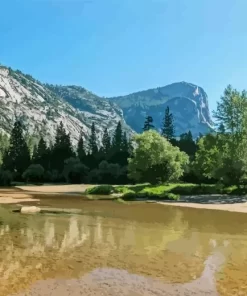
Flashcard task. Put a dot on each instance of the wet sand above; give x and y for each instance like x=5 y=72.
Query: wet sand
x=34 y=193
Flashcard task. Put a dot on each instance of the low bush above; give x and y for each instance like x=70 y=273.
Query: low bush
x=100 y=190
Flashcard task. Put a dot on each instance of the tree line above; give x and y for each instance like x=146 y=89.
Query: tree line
x=61 y=162
x=152 y=156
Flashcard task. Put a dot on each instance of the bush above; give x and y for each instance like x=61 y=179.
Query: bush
x=194 y=189
x=100 y=190
x=5 y=178
x=34 y=173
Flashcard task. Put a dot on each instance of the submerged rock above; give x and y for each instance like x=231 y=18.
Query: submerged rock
x=32 y=209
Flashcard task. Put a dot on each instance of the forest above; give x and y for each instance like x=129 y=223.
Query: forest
x=155 y=156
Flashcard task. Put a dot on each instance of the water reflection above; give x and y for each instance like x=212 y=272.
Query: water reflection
x=174 y=248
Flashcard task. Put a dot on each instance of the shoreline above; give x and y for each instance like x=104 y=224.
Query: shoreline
x=18 y=194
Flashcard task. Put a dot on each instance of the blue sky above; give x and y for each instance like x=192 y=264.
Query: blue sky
x=115 y=47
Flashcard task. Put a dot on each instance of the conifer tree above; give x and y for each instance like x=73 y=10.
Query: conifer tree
x=93 y=148
x=41 y=154
x=62 y=148
x=148 y=124
x=106 y=143
x=17 y=156
x=167 y=130
x=81 y=153
x=117 y=140
x=125 y=143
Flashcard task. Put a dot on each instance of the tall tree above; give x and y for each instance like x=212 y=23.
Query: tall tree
x=81 y=153
x=156 y=160
x=62 y=148
x=187 y=144
x=117 y=140
x=148 y=124
x=106 y=143
x=93 y=148
x=41 y=154
x=168 y=130
x=17 y=156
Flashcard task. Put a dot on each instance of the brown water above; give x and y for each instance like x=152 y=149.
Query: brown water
x=164 y=243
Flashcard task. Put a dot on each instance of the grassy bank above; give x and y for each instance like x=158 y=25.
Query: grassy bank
x=163 y=192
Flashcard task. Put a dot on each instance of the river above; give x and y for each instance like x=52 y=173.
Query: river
x=147 y=247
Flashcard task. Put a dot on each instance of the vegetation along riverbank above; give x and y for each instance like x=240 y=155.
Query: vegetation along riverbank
x=153 y=158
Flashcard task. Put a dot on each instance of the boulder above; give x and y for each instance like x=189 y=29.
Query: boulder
x=31 y=209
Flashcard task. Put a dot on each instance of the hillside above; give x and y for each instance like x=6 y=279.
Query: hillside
x=41 y=107
x=187 y=102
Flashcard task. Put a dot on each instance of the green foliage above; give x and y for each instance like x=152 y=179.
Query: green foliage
x=5 y=178
x=100 y=190
x=74 y=171
x=17 y=157
x=148 y=124
x=34 y=173
x=41 y=154
x=106 y=143
x=93 y=148
x=81 y=153
x=155 y=160
x=168 y=130
x=62 y=148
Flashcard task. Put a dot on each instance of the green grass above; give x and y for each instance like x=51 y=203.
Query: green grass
x=165 y=191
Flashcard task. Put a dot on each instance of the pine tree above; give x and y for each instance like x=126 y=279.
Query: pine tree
x=148 y=124
x=17 y=156
x=81 y=153
x=167 y=130
x=106 y=143
x=41 y=154
x=125 y=143
x=117 y=138
x=93 y=148
x=62 y=148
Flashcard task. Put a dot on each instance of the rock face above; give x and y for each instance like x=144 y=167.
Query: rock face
x=187 y=102
x=41 y=107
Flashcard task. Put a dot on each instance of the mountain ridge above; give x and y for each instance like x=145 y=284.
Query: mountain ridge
x=41 y=106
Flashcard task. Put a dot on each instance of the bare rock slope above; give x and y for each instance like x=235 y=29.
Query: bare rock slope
x=187 y=102
x=41 y=107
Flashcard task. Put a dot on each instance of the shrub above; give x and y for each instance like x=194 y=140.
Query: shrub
x=5 y=178
x=34 y=172
x=100 y=190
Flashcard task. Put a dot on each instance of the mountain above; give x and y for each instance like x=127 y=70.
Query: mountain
x=41 y=107
x=187 y=102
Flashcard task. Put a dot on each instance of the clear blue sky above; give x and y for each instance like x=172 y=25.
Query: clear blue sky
x=115 y=47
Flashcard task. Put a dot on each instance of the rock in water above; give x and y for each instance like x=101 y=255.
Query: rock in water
x=28 y=210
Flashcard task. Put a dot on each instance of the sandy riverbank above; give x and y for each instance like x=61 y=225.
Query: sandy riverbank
x=20 y=194
x=237 y=207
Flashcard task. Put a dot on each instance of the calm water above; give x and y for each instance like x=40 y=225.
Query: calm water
x=164 y=242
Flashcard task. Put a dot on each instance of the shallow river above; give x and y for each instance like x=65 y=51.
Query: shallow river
x=118 y=249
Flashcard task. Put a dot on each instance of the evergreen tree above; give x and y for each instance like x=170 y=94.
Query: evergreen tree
x=187 y=144
x=93 y=148
x=106 y=143
x=81 y=153
x=125 y=143
x=167 y=130
x=17 y=156
x=117 y=140
x=62 y=148
x=148 y=124
x=41 y=154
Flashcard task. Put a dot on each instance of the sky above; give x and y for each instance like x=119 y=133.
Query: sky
x=116 y=47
